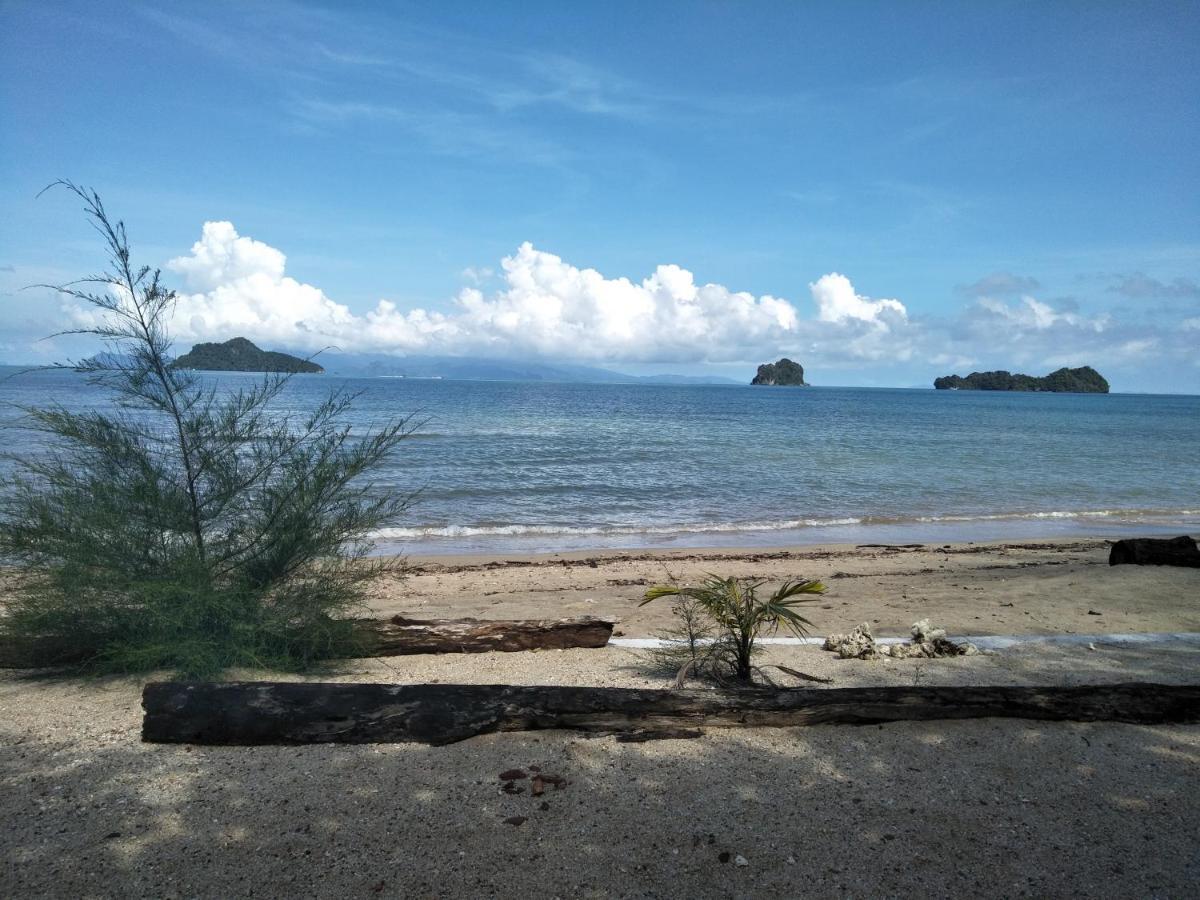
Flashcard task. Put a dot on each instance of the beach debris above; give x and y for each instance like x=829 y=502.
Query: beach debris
x=858 y=644
x=1178 y=551
x=1093 y=612
x=804 y=676
x=512 y=774
x=740 y=861
x=401 y=636
x=927 y=642
x=261 y=713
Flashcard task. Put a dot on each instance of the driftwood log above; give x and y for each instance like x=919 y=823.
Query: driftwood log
x=396 y=636
x=1179 y=551
x=399 y=636
x=301 y=713
x=36 y=653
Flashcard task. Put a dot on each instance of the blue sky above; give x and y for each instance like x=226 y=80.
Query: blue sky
x=886 y=192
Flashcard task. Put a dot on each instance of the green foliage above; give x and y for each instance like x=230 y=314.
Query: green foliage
x=1083 y=380
x=784 y=373
x=192 y=529
x=740 y=616
x=240 y=355
x=686 y=645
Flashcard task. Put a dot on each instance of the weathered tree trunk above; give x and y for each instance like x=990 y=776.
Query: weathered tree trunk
x=399 y=636
x=1180 y=551
x=300 y=713
x=396 y=636
x=33 y=653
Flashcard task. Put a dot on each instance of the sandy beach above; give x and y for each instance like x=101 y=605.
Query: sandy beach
x=1002 y=587
x=995 y=807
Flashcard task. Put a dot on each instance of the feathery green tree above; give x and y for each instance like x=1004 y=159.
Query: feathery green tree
x=193 y=527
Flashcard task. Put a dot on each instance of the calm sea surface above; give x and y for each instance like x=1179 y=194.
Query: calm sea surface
x=527 y=467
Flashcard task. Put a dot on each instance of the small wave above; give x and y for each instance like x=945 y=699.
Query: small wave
x=691 y=528
x=517 y=530
x=1123 y=514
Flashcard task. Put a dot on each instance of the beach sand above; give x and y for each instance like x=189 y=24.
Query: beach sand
x=1004 y=587
x=993 y=807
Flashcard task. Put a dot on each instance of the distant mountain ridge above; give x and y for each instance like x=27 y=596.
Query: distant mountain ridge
x=376 y=365
x=240 y=355
x=1083 y=380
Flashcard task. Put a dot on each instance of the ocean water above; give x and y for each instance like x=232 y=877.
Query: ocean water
x=529 y=467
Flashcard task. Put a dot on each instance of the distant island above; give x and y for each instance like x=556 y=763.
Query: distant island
x=784 y=373
x=1084 y=380
x=240 y=355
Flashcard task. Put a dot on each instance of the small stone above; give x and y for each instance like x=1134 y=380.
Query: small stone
x=512 y=774
x=791 y=860
x=545 y=806
x=1093 y=612
x=723 y=856
x=515 y=820
x=740 y=861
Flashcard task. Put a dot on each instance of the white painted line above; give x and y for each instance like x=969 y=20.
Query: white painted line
x=983 y=642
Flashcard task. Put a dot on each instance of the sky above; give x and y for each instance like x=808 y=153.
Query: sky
x=883 y=192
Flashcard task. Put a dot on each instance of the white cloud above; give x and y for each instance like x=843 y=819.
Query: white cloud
x=836 y=302
x=1033 y=314
x=545 y=306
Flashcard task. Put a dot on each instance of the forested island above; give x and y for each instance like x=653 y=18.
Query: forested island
x=1083 y=380
x=240 y=355
x=784 y=373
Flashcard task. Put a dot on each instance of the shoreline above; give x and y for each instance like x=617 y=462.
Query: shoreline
x=1031 y=527
x=501 y=558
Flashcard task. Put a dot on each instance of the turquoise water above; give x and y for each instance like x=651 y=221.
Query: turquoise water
x=527 y=467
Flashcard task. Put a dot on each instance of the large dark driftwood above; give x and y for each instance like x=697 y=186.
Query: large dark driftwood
x=1180 y=551
x=399 y=636
x=396 y=636
x=301 y=713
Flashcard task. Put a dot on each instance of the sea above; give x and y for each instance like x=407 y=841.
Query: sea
x=515 y=468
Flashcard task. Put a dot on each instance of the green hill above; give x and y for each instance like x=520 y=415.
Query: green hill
x=784 y=373
x=240 y=355
x=1084 y=380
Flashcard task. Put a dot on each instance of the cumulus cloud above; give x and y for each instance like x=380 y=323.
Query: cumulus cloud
x=535 y=304
x=837 y=301
x=233 y=284
x=1034 y=314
